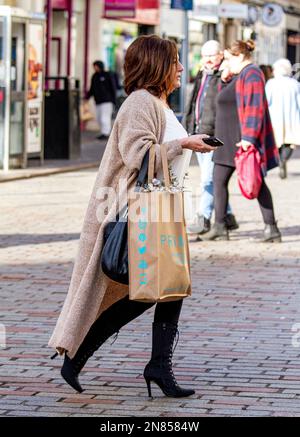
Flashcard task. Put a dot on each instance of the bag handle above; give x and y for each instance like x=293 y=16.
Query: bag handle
x=142 y=176
x=151 y=164
x=164 y=159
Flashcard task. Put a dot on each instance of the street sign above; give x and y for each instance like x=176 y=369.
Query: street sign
x=185 y=5
x=233 y=10
x=119 y=8
x=205 y=10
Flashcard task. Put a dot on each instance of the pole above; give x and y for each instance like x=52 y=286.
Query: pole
x=185 y=61
x=48 y=40
x=7 y=101
x=69 y=49
x=86 y=44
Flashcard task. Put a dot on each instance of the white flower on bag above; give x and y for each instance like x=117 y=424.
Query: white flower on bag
x=157 y=185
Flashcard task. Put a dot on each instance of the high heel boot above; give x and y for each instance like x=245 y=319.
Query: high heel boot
x=108 y=324
x=159 y=368
x=72 y=367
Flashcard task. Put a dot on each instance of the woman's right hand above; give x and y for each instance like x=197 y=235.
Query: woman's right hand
x=196 y=143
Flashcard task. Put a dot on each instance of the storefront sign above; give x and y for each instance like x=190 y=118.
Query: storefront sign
x=60 y=4
x=147 y=12
x=148 y=4
x=35 y=88
x=233 y=10
x=205 y=10
x=272 y=14
x=119 y=8
x=186 y=5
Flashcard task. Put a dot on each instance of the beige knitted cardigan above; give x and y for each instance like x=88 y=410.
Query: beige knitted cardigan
x=139 y=124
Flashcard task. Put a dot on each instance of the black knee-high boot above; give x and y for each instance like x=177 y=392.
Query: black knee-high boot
x=108 y=324
x=159 y=369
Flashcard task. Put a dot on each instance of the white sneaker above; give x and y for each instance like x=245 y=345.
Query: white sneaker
x=199 y=225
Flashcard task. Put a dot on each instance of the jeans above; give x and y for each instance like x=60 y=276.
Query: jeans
x=207 y=198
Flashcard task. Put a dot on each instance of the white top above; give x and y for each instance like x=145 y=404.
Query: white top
x=175 y=131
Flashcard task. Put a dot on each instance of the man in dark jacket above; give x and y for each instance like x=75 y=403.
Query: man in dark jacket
x=200 y=119
x=103 y=89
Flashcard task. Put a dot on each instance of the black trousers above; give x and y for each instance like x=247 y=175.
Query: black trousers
x=124 y=311
x=222 y=176
x=127 y=310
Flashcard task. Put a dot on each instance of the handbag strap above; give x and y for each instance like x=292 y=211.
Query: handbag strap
x=164 y=159
x=142 y=176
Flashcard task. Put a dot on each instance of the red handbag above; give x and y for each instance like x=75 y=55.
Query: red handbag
x=248 y=166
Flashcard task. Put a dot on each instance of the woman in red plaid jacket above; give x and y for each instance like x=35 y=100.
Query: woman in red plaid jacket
x=243 y=120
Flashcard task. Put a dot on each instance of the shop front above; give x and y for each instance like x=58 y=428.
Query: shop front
x=121 y=26
x=21 y=86
x=293 y=41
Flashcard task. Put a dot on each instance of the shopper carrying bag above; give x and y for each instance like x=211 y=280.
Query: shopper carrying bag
x=97 y=307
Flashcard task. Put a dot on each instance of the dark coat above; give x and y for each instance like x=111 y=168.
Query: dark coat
x=227 y=126
x=253 y=111
x=103 y=88
x=207 y=121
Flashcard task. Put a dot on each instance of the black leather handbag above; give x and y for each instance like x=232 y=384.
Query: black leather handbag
x=114 y=257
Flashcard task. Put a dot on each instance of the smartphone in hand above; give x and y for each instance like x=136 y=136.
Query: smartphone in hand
x=213 y=141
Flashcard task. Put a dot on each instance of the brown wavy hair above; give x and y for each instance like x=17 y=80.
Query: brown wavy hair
x=242 y=47
x=149 y=64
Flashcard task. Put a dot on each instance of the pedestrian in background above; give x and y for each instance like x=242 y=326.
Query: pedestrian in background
x=103 y=89
x=96 y=308
x=283 y=94
x=267 y=71
x=243 y=120
x=200 y=119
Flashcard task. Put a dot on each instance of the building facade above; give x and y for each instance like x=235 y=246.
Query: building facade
x=274 y=25
x=78 y=32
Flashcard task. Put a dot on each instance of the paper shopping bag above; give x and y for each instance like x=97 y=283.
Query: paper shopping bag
x=158 y=251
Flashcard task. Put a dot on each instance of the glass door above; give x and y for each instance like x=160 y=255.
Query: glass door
x=18 y=94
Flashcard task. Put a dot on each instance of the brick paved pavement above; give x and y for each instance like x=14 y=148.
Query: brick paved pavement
x=235 y=346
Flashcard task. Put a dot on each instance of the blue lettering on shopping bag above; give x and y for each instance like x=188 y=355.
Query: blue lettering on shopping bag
x=143 y=279
x=180 y=258
x=171 y=240
x=142 y=250
x=142 y=225
x=142 y=237
x=174 y=242
x=143 y=264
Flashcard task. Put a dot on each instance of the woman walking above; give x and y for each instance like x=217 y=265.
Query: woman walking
x=95 y=307
x=283 y=94
x=242 y=120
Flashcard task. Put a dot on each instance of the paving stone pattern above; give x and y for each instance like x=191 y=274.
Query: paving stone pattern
x=235 y=346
